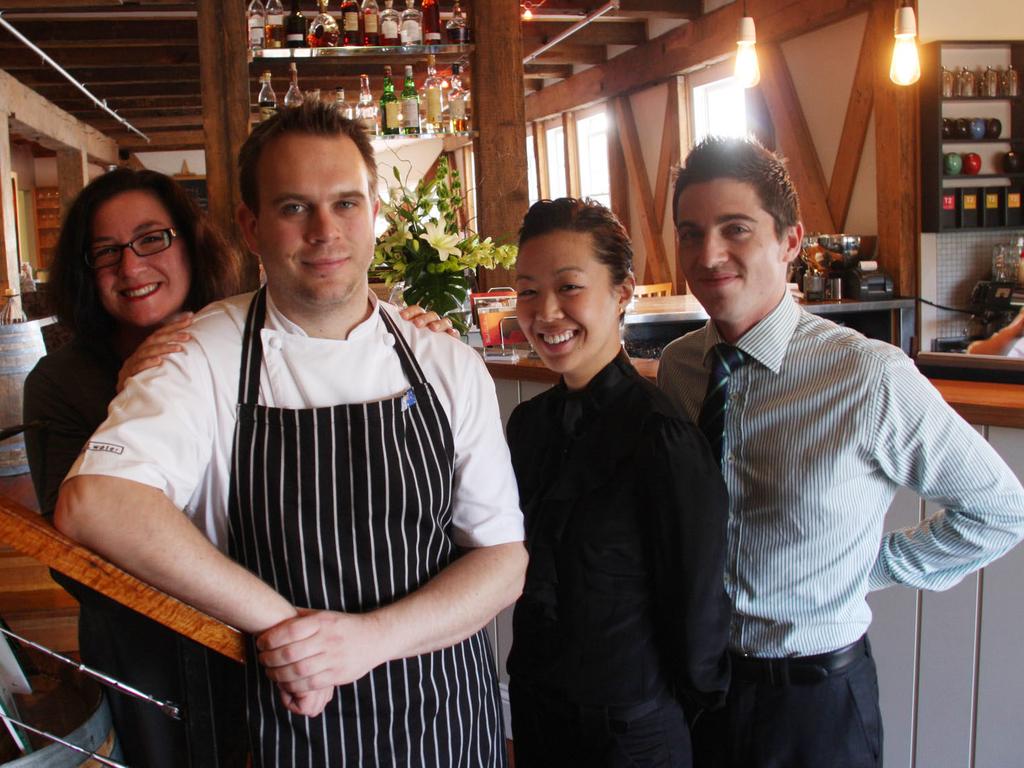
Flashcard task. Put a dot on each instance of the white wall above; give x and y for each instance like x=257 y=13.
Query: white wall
x=977 y=20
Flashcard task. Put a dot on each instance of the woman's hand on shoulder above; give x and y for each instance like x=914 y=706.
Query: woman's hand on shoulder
x=429 y=319
x=151 y=352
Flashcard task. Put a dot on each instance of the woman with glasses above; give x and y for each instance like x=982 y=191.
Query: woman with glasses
x=134 y=254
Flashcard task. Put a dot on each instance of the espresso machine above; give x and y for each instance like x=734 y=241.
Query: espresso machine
x=994 y=303
x=834 y=269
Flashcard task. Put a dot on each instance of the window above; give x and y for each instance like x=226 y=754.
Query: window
x=592 y=141
x=555 y=139
x=719 y=109
x=531 y=169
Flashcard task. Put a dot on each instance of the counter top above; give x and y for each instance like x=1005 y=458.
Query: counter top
x=982 y=403
x=686 y=308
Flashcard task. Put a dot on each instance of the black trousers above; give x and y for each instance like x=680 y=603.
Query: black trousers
x=834 y=723
x=546 y=732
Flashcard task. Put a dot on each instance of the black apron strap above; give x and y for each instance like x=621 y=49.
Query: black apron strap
x=410 y=366
x=252 y=350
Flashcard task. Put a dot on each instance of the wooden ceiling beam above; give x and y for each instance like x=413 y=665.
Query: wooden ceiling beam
x=37 y=119
x=678 y=9
x=547 y=71
x=536 y=33
x=95 y=76
x=115 y=91
x=568 y=53
x=45 y=33
x=14 y=59
x=707 y=38
x=164 y=141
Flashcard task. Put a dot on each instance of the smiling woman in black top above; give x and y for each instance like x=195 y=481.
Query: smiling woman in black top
x=623 y=617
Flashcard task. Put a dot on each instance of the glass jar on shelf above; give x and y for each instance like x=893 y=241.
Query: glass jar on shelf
x=1011 y=82
x=965 y=83
x=990 y=85
x=948 y=83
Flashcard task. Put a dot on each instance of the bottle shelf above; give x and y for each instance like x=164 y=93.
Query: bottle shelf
x=970 y=176
x=972 y=99
x=1002 y=140
x=363 y=51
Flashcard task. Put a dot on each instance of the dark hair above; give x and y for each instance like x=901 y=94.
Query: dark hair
x=612 y=245
x=215 y=266
x=747 y=161
x=313 y=118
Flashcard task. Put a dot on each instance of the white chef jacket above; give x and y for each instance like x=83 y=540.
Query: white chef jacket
x=172 y=427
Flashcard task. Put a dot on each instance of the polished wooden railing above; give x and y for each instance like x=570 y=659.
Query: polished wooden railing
x=33 y=535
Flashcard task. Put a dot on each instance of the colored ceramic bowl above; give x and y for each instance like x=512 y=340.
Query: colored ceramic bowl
x=994 y=128
x=948 y=128
x=963 y=128
x=953 y=163
x=972 y=163
x=1012 y=162
x=978 y=128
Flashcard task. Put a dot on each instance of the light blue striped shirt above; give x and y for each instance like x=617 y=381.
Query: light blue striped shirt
x=822 y=428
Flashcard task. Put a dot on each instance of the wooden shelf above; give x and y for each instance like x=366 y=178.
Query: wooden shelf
x=47 y=225
x=365 y=52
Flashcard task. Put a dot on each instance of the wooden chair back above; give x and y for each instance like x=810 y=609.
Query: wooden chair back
x=653 y=289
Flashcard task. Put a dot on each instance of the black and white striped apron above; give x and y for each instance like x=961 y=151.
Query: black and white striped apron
x=347 y=508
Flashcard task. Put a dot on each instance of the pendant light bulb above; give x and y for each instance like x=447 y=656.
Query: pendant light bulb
x=747 y=72
x=527 y=13
x=906 y=65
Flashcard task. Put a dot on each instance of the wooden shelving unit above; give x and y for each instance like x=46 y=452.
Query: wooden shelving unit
x=991 y=199
x=47 y=225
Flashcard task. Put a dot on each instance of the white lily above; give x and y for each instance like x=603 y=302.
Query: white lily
x=436 y=237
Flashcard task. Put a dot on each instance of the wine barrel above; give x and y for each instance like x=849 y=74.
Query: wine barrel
x=96 y=734
x=21 y=347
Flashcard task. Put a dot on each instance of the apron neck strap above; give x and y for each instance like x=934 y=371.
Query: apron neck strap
x=410 y=366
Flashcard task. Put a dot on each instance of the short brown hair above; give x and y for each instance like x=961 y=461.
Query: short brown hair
x=744 y=160
x=612 y=245
x=313 y=118
x=215 y=265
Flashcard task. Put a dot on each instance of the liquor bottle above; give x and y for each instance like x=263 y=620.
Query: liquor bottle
x=294 y=96
x=267 y=99
x=366 y=109
x=410 y=105
x=431 y=23
x=458 y=102
x=350 y=23
x=295 y=27
x=412 y=25
x=389 y=109
x=346 y=108
x=457 y=27
x=434 y=98
x=371 y=22
x=323 y=29
x=273 y=32
x=256 y=17
x=390 y=23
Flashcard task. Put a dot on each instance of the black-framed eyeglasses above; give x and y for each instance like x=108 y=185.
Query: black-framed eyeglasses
x=147 y=244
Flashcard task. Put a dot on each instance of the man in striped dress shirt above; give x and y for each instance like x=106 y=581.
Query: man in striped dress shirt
x=821 y=427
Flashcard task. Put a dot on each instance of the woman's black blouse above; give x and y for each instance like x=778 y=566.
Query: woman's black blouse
x=625 y=514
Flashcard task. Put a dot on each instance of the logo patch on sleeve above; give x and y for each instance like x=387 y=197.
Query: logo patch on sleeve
x=104 y=447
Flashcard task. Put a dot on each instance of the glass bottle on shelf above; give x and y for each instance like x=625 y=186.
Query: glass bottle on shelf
x=267 y=99
x=411 y=31
x=295 y=27
x=346 y=108
x=273 y=32
x=371 y=22
x=410 y=105
x=350 y=23
x=431 y=22
x=366 y=109
x=990 y=83
x=389 y=109
x=965 y=83
x=293 y=98
x=323 y=29
x=1011 y=82
x=390 y=23
x=433 y=95
x=457 y=27
x=948 y=83
x=458 y=102
x=256 y=18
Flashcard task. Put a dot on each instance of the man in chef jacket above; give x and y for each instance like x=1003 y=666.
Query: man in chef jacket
x=321 y=474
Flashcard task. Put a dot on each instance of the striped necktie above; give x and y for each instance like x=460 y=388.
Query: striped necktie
x=725 y=359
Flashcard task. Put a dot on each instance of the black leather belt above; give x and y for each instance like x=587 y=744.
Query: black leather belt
x=797 y=670
x=616 y=718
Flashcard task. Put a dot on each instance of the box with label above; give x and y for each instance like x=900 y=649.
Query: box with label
x=1014 y=216
x=970 y=208
x=991 y=200
x=496 y=317
x=949 y=205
